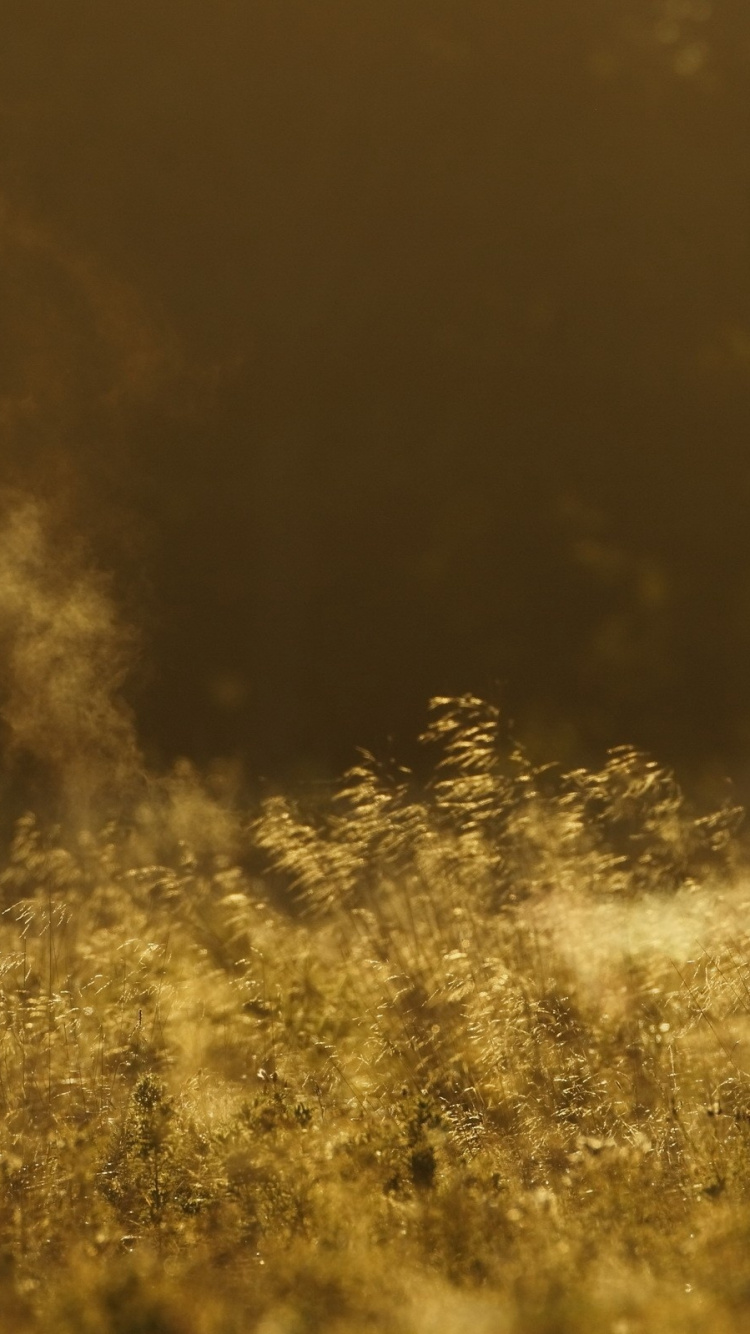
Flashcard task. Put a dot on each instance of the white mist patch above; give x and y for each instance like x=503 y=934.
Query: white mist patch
x=660 y=936
x=64 y=656
x=180 y=817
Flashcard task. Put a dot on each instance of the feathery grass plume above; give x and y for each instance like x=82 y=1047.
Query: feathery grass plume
x=637 y=810
x=469 y=787
x=65 y=657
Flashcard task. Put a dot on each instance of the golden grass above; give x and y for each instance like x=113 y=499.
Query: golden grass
x=473 y=1057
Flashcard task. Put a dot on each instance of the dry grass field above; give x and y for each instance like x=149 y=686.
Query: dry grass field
x=470 y=1056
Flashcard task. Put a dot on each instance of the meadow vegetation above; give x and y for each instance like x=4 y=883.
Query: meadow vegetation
x=464 y=1055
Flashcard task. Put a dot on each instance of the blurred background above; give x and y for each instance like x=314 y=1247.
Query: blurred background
x=391 y=349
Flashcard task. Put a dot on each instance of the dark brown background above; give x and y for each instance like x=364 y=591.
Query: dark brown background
x=393 y=348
